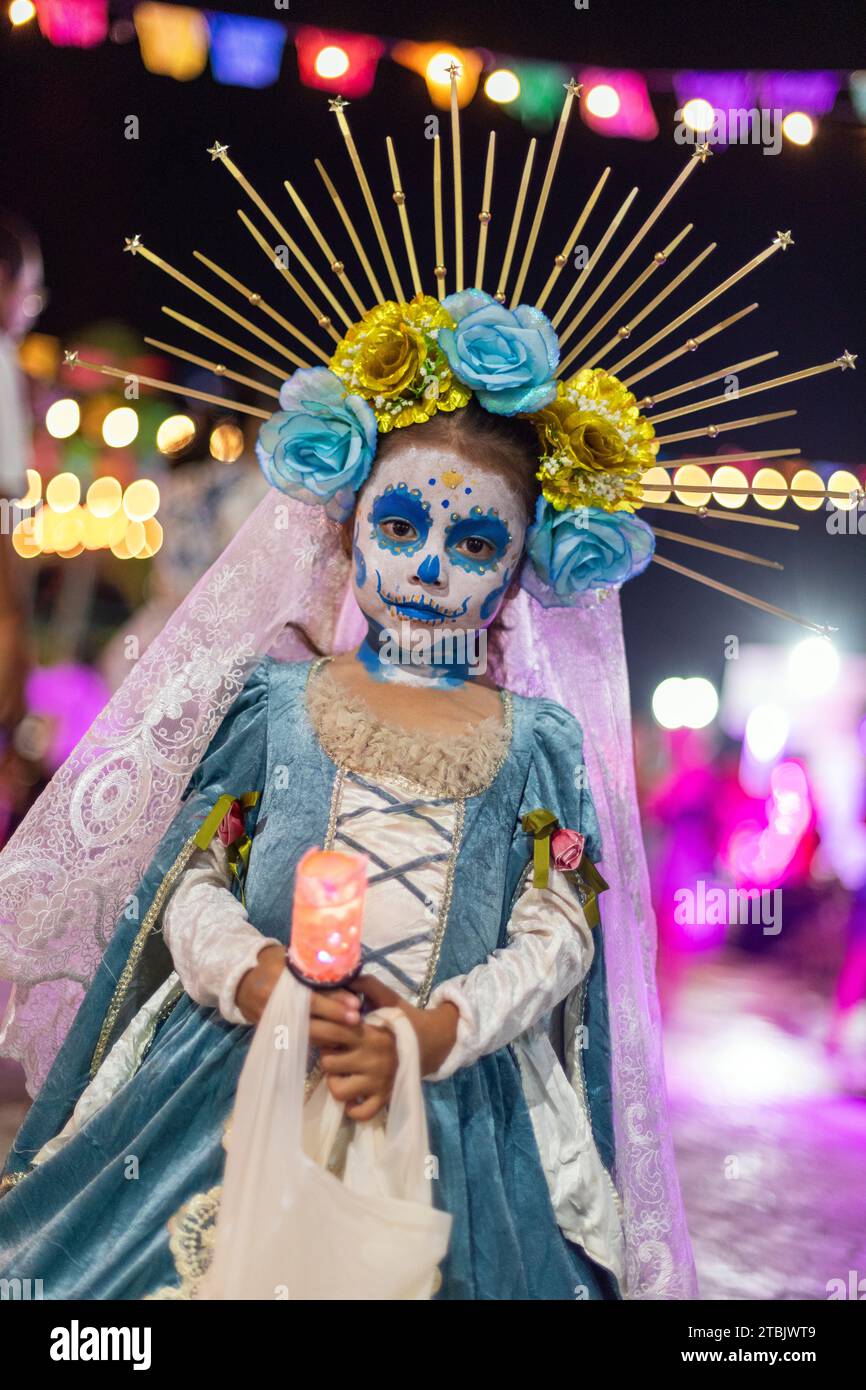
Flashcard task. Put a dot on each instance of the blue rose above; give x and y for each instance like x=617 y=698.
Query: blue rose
x=507 y=356
x=584 y=548
x=320 y=446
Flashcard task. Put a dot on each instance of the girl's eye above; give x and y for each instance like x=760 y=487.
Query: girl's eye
x=477 y=547
x=397 y=529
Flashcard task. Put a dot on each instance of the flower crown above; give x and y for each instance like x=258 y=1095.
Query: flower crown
x=403 y=362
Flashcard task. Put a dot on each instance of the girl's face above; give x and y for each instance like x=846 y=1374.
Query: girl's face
x=436 y=541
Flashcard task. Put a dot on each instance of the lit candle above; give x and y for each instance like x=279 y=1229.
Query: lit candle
x=327 y=916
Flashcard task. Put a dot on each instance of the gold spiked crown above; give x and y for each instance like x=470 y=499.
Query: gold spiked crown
x=571 y=369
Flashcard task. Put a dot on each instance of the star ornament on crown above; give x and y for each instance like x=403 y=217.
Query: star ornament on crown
x=386 y=359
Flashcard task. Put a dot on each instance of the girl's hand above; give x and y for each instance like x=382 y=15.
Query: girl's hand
x=359 y=1060
x=254 y=990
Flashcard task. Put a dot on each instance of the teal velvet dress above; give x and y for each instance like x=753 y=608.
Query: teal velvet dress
x=126 y=1208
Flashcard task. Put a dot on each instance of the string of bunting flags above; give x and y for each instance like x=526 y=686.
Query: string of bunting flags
x=180 y=41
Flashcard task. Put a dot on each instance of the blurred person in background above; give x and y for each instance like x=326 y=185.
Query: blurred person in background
x=22 y=298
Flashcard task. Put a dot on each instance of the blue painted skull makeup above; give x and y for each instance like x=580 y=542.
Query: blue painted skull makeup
x=437 y=543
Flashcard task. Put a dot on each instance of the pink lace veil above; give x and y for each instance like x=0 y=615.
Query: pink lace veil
x=69 y=870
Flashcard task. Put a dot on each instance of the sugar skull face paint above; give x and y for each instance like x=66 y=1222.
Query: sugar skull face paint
x=437 y=541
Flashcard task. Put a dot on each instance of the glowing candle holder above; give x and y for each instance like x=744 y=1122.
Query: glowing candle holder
x=327 y=917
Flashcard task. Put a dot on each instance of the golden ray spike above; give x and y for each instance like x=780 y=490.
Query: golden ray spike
x=196 y=327
x=349 y=225
x=718 y=515
x=635 y=242
x=515 y=221
x=168 y=386
x=698 y=544
x=219 y=304
x=337 y=108
x=322 y=319
x=334 y=262
x=690 y=345
x=752 y=491
x=625 y=332
x=560 y=261
x=485 y=214
x=260 y=302
x=648 y=402
x=281 y=231
x=400 y=200
x=701 y=304
x=659 y=259
x=458 y=179
x=746 y=391
x=710 y=431
x=217 y=368
x=738 y=593
x=729 y=458
x=593 y=261
x=439 y=237
x=571 y=90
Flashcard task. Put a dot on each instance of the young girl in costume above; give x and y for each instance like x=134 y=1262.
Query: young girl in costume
x=488 y=489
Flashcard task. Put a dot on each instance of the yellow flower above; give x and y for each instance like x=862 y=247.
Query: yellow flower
x=595 y=443
x=391 y=358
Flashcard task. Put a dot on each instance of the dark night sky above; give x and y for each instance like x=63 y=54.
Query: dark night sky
x=67 y=166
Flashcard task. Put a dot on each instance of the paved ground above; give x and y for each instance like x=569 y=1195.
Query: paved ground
x=771 y=1148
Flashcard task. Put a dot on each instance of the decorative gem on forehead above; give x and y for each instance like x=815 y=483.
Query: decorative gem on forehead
x=452 y=479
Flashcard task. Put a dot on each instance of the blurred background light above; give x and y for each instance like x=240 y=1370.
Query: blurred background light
x=691 y=475
x=807 y=480
x=813 y=666
x=120 y=427
x=62 y=418
x=767 y=729
x=63 y=492
x=227 y=443
x=771 y=478
x=728 y=476
x=798 y=128
x=502 y=86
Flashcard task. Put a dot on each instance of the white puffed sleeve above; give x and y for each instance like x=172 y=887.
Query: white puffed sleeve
x=549 y=950
x=211 y=939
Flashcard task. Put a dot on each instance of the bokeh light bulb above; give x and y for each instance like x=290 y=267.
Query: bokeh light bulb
x=776 y=483
x=120 y=427
x=698 y=114
x=667 y=703
x=502 y=86
x=798 y=128
x=767 y=729
x=331 y=61
x=63 y=492
x=699 y=702
x=602 y=101
x=62 y=418
x=813 y=666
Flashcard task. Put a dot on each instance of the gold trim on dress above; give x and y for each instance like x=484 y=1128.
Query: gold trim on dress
x=138 y=945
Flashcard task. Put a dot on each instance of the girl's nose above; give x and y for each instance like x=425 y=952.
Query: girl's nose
x=427 y=573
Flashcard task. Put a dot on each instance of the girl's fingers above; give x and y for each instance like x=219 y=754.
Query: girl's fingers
x=325 y=1034
x=366 y=1109
x=351 y=1088
x=339 y=1007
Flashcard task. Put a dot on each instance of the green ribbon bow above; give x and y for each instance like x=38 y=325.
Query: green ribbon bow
x=541 y=825
x=239 y=852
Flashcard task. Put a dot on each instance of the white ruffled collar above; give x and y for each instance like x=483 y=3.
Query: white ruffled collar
x=453 y=765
